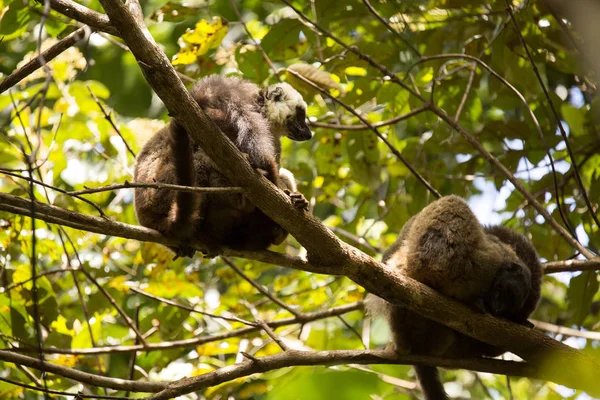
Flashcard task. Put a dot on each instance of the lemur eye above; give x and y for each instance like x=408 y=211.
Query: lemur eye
x=276 y=94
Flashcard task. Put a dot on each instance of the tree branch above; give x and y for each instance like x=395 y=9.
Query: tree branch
x=289 y=358
x=83 y=377
x=84 y=15
x=105 y=226
x=336 y=357
x=48 y=55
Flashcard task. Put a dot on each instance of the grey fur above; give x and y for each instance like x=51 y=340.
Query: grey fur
x=238 y=107
x=446 y=248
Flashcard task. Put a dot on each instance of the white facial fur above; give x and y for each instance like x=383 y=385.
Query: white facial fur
x=278 y=111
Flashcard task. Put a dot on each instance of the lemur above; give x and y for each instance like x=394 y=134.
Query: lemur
x=254 y=120
x=493 y=269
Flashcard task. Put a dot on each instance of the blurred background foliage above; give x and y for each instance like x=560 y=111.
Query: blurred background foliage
x=357 y=186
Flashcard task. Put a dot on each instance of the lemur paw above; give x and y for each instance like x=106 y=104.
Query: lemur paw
x=298 y=200
x=479 y=306
x=212 y=252
x=263 y=172
x=527 y=324
x=184 y=249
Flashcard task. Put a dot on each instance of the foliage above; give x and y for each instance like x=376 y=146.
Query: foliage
x=357 y=184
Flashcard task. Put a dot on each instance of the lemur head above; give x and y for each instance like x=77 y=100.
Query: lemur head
x=509 y=291
x=286 y=111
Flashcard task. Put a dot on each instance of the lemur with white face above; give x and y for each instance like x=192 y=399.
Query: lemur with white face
x=254 y=120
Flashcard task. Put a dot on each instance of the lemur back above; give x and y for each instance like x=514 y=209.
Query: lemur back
x=446 y=248
x=226 y=219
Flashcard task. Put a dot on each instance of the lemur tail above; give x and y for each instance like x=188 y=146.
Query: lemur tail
x=184 y=166
x=429 y=379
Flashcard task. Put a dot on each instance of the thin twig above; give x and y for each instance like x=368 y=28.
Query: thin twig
x=557 y=118
x=379 y=124
x=463 y=100
x=156 y=185
x=389 y=28
x=191 y=309
x=563 y=330
x=108 y=117
x=113 y=302
x=59 y=392
x=254 y=41
x=38 y=182
x=262 y=290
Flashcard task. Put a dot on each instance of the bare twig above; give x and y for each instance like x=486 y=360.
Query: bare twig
x=463 y=100
x=84 y=15
x=192 y=309
x=363 y=127
x=552 y=267
x=262 y=290
x=156 y=185
x=38 y=182
x=295 y=357
x=108 y=117
x=59 y=392
x=389 y=28
x=83 y=377
x=392 y=148
x=563 y=330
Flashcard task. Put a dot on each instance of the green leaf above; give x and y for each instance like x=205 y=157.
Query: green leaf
x=285 y=41
x=580 y=294
x=575 y=118
x=14 y=22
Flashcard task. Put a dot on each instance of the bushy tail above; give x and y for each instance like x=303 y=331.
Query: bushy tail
x=429 y=379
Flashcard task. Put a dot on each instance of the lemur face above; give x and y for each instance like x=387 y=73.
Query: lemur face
x=285 y=108
x=509 y=290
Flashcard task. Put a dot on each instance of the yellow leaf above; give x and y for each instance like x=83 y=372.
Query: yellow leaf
x=356 y=71
x=198 y=41
x=184 y=58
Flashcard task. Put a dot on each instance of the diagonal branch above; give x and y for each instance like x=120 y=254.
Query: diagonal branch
x=84 y=15
x=47 y=55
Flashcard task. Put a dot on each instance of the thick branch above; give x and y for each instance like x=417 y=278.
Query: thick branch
x=84 y=15
x=105 y=226
x=552 y=267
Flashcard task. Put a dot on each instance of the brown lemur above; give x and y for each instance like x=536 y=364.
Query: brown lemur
x=254 y=120
x=493 y=269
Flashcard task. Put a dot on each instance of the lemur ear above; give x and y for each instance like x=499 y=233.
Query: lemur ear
x=261 y=97
x=276 y=94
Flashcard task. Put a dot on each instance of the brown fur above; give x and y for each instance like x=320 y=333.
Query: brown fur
x=236 y=106
x=446 y=248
